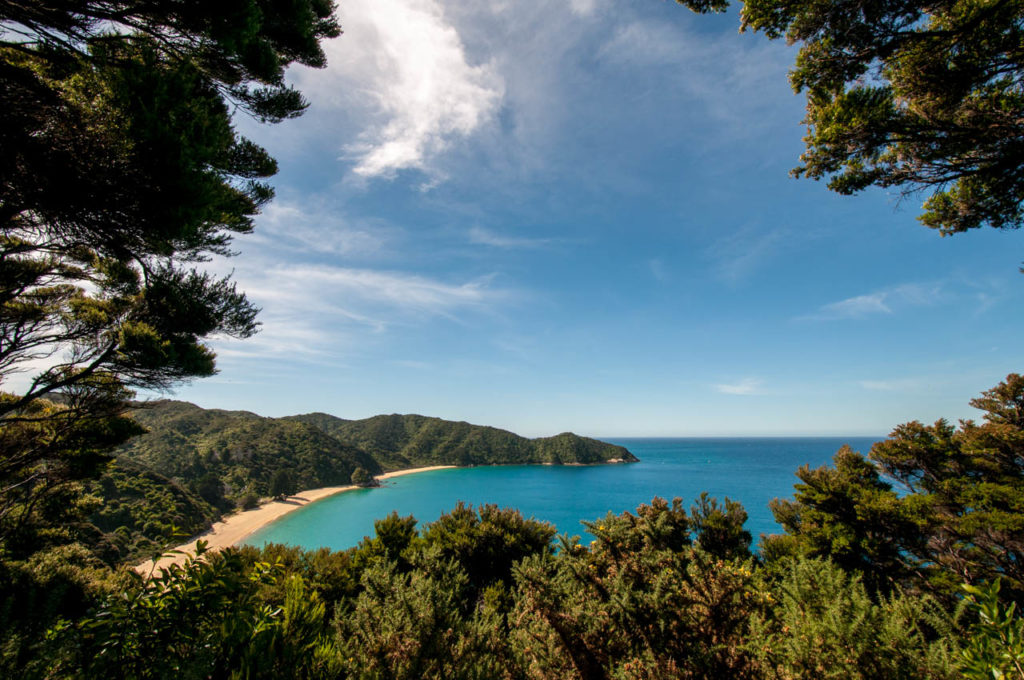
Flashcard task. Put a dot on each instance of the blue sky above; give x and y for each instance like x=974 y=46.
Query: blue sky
x=577 y=215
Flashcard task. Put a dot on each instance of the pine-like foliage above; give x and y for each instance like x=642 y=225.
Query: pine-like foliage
x=936 y=501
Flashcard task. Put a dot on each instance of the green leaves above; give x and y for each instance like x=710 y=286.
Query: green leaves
x=235 y=43
x=823 y=623
x=995 y=648
x=641 y=602
x=706 y=6
x=929 y=508
x=121 y=170
x=719 y=528
x=487 y=542
x=205 y=618
x=920 y=96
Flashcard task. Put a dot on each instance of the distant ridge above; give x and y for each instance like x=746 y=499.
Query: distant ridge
x=401 y=441
x=241 y=448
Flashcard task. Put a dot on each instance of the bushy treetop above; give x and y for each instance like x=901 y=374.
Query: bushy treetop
x=919 y=96
x=120 y=172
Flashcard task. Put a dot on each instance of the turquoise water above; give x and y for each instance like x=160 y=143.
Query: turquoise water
x=752 y=471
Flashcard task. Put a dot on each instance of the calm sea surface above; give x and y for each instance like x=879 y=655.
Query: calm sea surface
x=752 y=471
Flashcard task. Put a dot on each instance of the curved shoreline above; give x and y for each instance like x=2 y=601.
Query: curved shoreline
x=237 y=527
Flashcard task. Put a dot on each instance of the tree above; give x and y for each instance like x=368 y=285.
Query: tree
x=995 y=648
x=641 y=602
x=919 y=96
x=282 y=484
x=360 y=477
x=211 y=489
x=719 y=528
x=242 y=47
x=487 y=542
x=958 y=516
x=120 y=172
x=848 y=513
x=825 y=624
x=202 y=619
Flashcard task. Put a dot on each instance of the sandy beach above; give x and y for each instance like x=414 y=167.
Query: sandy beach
x=236 y=528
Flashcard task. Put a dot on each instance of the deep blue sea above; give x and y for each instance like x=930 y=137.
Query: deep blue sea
x=750 y=470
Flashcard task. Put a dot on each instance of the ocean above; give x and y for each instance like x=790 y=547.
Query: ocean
x=750 y=470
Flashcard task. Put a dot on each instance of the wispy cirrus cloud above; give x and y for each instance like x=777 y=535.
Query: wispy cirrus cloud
x=892 y=384
x=745 y=387
x=882 y=302
x=709 y=73
x=318 y=228
x=317 y=310
x=294 y=339
x=738 y=255
x=856 y=307
x=583 y=7
x=485 y=237
x=658 y=269
x=334 y=288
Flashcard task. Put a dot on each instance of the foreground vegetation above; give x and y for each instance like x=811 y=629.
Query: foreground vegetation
x=900 y=564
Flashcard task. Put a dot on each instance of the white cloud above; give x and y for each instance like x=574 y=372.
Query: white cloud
x=856 y=307
x=744 y=387
x=916 y=294
x=317 y=228
x=579 y=103
x=400 y=73
x=326 y=297
x=311 y=310
x=658 y=269
x=709 y=72
x=515 y=93
x=484 y=237
x=280 y=337
x=892 y=385
x=398 y=290
x=881 y=302
x=644 y=43
x=738 y=255
x=583 y=7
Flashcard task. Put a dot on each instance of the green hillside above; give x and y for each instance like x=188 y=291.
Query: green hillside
x=241 y=450
x=402 y=441
x=143 y=511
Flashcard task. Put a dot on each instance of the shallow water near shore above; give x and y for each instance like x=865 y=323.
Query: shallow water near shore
x=750 y=470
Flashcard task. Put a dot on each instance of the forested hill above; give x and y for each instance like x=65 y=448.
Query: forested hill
x=194 y=464
x=402 y=441
x=242 y=450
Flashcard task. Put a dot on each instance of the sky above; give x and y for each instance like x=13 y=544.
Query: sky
x=577 y=215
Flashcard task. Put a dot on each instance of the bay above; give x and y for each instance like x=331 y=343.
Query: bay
x=750 y=470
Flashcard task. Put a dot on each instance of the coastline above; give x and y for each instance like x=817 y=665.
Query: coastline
x=235 y=528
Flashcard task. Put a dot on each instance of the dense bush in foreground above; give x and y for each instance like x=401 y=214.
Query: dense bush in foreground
x=850 y=591
x=483 y=594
